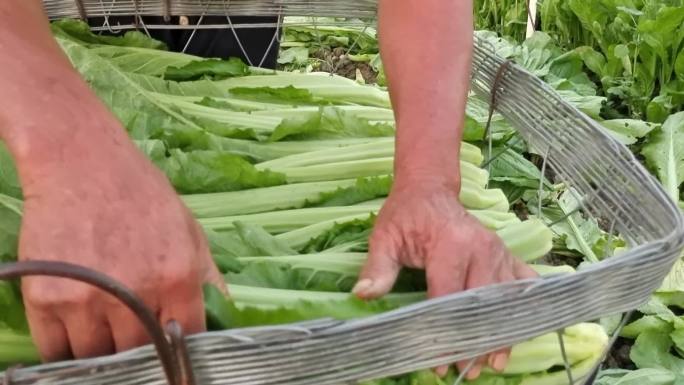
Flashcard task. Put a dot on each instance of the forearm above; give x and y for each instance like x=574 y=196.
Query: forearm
x=49 y=115
x=426 y=49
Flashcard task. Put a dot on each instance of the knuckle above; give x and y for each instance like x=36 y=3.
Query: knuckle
x=177 y=278
x=46 y=293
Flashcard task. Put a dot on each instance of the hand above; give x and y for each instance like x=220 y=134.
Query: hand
x=111 y=210
x=422 y=225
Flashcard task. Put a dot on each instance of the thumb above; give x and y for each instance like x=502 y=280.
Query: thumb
x=381 y=269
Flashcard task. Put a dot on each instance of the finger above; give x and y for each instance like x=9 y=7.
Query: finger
x=499 y=359
x=49 y=335
x=474 y=372
x=214 y=277
x=381 y=269
x=127 y=330
x=187 y=308
x=89 y=334
x=474 y=368
x=522 y=271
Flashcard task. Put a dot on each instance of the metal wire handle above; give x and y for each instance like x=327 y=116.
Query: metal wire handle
x=172 y=352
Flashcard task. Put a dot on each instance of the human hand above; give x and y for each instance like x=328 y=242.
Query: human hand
x=422 y=225
x=101 y=204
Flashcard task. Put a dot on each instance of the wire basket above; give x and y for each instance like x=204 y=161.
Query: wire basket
x=612 y=185
x=83 y=9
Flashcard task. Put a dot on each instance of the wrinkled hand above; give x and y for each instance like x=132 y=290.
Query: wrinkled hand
x=110 y=210
x=422 y=225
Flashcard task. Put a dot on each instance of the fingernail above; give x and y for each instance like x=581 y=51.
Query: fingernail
x=500 y=362
x=361 y=288
x=474 y=373
x=442 y=371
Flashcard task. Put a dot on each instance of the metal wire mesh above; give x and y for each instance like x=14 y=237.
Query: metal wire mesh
x=611 y=185
x=99 y=8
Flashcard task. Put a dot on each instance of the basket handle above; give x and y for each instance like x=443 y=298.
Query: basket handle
x=169 y=342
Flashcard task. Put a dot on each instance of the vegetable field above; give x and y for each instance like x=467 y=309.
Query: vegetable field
x=286 y=170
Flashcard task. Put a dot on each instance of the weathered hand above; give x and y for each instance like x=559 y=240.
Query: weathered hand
x=110 y=210
x=422 y=225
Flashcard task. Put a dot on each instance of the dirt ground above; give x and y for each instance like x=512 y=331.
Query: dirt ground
x=343 y=66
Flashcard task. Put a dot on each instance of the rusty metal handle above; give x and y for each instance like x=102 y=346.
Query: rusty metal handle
x=170 y=346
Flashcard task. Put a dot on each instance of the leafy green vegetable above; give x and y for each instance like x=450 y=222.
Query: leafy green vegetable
x=664 y=152
x=288 y=94
x=652 y=350
x=210 y=67
x=9 y=181
x=212 y=171
x=510 y=166
x=628 y=131
x=80 y=32
x=16 y=347
x=649 y=376
x=10 y=223
x=333 y=89
x=260 y=306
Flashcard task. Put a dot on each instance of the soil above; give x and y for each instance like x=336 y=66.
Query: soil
x=618 y=357
x=521 y=211
x=548 y=171
x=336 y=60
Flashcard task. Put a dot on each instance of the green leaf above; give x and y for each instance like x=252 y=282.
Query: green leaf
x=10 y=224
x=652 y=350
x=674 y=282
x=365 y=189
x=274 y=275
x=664 y=152
x=567 y=65
x=645 y=323
x=141 y=111
x=649 y=376
x=621 y=51
x=629 y=10
x=355 y=232
x=628 y=131
x=679 y=65
x=656 y=306
x=288 y=95
x=595 y=61
x=80 y=32
x=214 y=68
x=294 y=55
x=213 y=171
x=577 y=232
x=510 y=166
x=144 y=61
x=218 y=308
x=659 y=108
x=12 y=313
x=259 y=240
x=256 y=306
x=589 y=104
x=9 y=181
x=329 y=122
x=245 y=240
